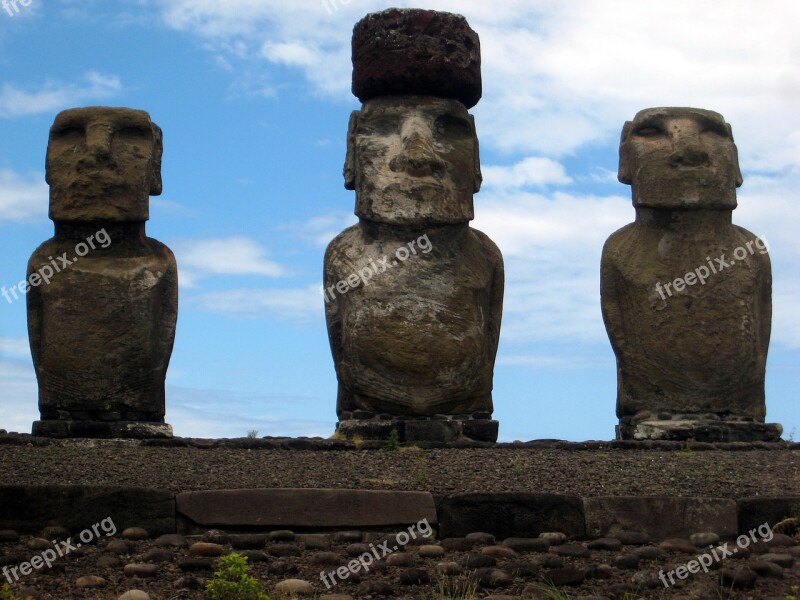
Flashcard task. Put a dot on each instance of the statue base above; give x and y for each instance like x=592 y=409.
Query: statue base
x=479 y=427
x=699 y=428
x=58 y=428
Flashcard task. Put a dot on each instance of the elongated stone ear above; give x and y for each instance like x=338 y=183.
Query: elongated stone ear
x=350 y=158
x=624 y=172
x=155 y=163
x=739 y=178
x=476 y=161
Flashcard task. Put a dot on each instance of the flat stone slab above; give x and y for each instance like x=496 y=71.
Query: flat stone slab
x=757 y=511
x=29 y=508
x=140 y=430
x=511 y=514
x=660 y=517
x=700 y=431
x=301 y=507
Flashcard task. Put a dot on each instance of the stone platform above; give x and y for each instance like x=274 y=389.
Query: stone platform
x=698 y=428
x=479 y=427
x=58 y=428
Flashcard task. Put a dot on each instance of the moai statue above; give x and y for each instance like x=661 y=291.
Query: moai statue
x=103 y=297
x=413 y=294
x=686 y=295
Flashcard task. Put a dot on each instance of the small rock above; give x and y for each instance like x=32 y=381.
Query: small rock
x=479 y=538
x=118 y=547
x=356 y=549
x=549 y=561
x=400 y=559
x=206 y=549
x=158 y=555
x=456 y=544
x=140 y=570
x=647 y=579
x=782 y=560
x=314 y=541
x=492 y=578
x=195 y=564
x=294 y=587
x=764 y=568
x=281 y=567
x=55 y=532
x=678 y=545
x=39 y=544
x=608 y=544
x=326 y=558
x=90 y=581
x=254 y=556
x=170 y=539
x=704 y=539
x=134 y=533
x=134 y=595
x=626 y=561
x=430 y=551
x=346 y=537
x=601 y=571
x=554 y=538
x=281 y=535
x=521 y=568
x=414 y=577
x=743 y=579
x=500 y=552
x=375 y=588
x=574 y=550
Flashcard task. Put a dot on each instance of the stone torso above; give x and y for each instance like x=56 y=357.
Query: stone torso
x=698 y=349
x=421 y=337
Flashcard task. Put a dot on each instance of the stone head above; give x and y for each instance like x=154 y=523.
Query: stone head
x=103 y=164
x=413 y=159
x=679 y=158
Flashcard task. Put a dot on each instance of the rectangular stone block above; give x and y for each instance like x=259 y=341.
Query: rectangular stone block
x=300 y=507
x=29 y=508
x=660 y=517
x=511 y=514
x=757 y=511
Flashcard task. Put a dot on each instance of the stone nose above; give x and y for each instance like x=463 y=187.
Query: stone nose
x=98 y=143
x=688 y=152
x=418 y=157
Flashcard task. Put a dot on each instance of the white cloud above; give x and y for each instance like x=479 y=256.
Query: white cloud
x=55 y=95
x=531 y=171
x=235 y=255
x=20 y=395
x=320 y=230
x=16 y=347
x=23 y=198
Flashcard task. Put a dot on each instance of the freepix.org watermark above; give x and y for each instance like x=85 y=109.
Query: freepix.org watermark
x=59 y=550
x=12 y=6
x=362 y=277
x=376 y=553
x=46 y=272
x=703 y=272
x=704 y=561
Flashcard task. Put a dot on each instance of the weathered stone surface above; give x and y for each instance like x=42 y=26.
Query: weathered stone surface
x=757 y=511
x=102 y=325
x=606 y=515
x=305 y=508
x=511 y=514
x=686 y=295
x=28 y=508
x=413 y=51
x=413 y=294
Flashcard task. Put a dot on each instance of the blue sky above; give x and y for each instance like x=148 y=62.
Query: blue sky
x=254 y=97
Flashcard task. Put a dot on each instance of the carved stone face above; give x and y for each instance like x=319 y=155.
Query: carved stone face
x=680 y=158
x=103 y=164
x=413 y=160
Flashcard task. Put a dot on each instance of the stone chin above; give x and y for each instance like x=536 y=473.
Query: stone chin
x=414 y=204
x=683 y=190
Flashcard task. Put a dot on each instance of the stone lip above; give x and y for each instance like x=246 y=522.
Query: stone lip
x=58 y=428
x=701 y=430
x=414 y=51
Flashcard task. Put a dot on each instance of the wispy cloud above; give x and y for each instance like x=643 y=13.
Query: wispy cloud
x=300 y=304
x=235 y=255
x=22 y=198
x=53 y=95
x=532 y=171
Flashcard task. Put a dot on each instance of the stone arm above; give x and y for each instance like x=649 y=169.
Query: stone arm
x=496 y=304
x=764 y=291
x=609 y=298
x=34 y=308
x=168 y=316
x=333 y=315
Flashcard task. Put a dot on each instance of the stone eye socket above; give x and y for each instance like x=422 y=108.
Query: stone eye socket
x=134 y=133
x=649 y=131
x=69 y=134
x=450 y=126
